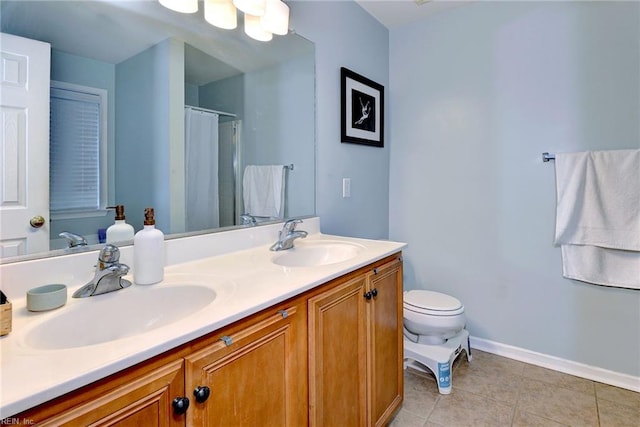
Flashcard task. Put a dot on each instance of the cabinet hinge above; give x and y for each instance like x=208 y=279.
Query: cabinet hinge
x=227 y=340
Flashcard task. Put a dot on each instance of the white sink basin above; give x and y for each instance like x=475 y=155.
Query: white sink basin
x=128 y=312
x=314 y=254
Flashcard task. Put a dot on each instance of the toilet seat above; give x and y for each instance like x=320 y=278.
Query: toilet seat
x=432 y=303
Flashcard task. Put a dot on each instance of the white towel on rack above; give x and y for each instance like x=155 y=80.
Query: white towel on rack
x=598 y=216
x=263 y=190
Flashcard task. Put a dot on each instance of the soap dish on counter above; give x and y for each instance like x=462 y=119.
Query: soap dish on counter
x=46 y=297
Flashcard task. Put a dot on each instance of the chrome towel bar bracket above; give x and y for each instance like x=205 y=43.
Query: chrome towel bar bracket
x=547 y=156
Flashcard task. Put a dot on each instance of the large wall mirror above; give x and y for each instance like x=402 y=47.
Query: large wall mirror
x=181 y=109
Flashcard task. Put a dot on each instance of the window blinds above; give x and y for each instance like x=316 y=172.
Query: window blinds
x=74 y=156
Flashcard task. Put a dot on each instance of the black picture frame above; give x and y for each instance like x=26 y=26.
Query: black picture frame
x=362 y=109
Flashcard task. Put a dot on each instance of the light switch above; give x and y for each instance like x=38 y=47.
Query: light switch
x=346 y=187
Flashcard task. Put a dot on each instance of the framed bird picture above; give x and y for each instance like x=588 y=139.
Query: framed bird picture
x=362 y=109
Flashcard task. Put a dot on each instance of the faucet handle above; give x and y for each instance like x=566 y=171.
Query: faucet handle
x=290 y=225
x=73 y=240
x=117 y=269
x=248 y=219
x=109 y=254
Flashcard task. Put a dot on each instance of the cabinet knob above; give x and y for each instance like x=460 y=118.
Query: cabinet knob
x=180 y=405
x=201 y=393
x=368 y=295
x=374 y=292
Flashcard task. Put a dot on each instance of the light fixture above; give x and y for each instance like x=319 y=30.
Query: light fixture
x=182 y=6
x=221 y=13
x=262 y=18
x=251 y=7
x=254 y=30
x=276 y=17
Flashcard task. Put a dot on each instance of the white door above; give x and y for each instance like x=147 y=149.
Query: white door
x=24 y=145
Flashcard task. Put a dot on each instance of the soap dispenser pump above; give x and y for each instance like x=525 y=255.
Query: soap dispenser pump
x=148 y=252
x=120 y=231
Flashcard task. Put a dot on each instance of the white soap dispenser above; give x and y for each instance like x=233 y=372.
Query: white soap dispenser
x=120 y=231
x=148 y=252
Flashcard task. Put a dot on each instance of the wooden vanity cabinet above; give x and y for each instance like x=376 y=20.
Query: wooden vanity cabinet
x=135 y=397
x=329 y=357
x=385 y=358
x=355 y=348
x=255 y=374
x=337 y=355
x=255 y=371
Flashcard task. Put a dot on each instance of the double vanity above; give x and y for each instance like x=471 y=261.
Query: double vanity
x=235 y=334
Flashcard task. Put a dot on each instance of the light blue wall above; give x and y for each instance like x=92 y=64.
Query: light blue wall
x=191 y=95
x=224 y=95
x=278 y=110
x=478 y=93
x=346 y=36
x=142 y=150
x=279 y=124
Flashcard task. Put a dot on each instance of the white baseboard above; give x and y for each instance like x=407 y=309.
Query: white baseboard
x=605 y=376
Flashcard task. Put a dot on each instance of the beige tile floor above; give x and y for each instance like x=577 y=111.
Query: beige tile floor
x=496 y=391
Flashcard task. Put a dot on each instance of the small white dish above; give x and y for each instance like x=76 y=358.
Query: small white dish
x=46 y=297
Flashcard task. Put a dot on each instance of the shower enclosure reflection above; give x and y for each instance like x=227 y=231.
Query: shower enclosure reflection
x=210 y=145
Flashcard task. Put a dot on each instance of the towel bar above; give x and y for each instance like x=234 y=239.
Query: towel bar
x=547 y=156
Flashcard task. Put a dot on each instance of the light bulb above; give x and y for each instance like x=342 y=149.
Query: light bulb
x=276 y=17
x=252 y=7
x=182 y=6
x=221 y=13
x=254 y=30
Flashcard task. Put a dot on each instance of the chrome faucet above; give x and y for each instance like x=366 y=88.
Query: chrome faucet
x=108 y=277
x=248 y=219
x=287 y=235
x=73 y=240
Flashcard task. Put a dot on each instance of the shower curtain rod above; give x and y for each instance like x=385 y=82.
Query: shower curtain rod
x=548 y=156
x=206 y=110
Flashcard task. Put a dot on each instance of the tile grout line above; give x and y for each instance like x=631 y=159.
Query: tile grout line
x=519 y=393
x=515 y=407
x=595 y=395
x=434 y=407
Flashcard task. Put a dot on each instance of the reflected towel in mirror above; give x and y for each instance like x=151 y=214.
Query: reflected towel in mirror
x=263 y=190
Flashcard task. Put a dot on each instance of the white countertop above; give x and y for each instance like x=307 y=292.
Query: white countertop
x=247 y=281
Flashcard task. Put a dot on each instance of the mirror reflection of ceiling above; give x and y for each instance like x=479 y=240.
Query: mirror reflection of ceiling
x=115 y=31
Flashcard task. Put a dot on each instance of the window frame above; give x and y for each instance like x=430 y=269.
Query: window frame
x=102 y=150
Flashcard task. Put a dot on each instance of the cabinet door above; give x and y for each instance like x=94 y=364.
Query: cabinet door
x=385 y=355
x=255 y=373
x=144 y=401
x=337 y=356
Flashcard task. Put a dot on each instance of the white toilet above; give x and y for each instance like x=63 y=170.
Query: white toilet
x=434 y=334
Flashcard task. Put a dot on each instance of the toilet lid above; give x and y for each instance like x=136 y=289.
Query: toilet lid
x=431 y=300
